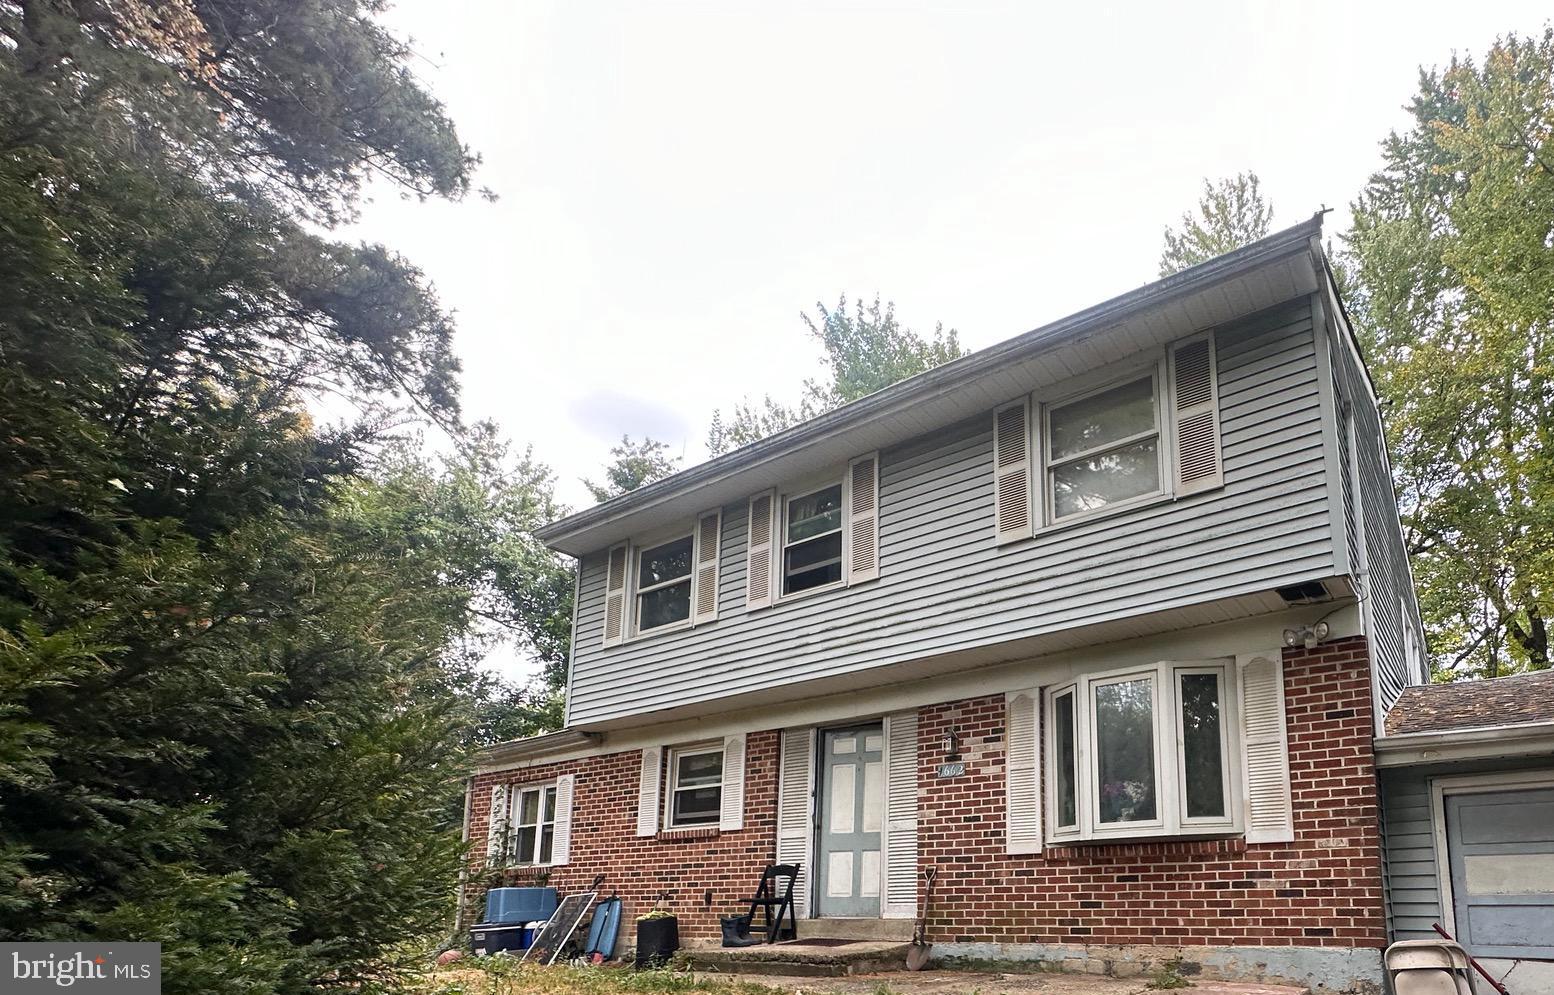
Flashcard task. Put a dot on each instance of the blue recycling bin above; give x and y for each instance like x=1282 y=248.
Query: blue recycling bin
x=519 y=905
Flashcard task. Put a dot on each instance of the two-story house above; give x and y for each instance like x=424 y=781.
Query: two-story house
x=1099 y=622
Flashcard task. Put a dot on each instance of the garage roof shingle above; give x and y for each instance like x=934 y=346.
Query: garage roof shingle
x=1521 y=699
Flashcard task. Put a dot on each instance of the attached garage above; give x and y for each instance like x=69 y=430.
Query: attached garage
x=1467 y=779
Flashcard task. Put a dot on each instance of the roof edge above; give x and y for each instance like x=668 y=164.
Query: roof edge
x=1474 y=742
x=530 y=747
x=1296 y=238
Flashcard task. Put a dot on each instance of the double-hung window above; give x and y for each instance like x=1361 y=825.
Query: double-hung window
x=663 y=589
x=1143 y=752
x=534 y=826
x=812 y=540
x=695 y=795
x=1104 y=448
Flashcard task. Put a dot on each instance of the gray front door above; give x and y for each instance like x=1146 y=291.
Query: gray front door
x=1502 y=871
x=852 y=815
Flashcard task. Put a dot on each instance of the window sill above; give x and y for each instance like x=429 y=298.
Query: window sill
x=1120 y=508
x=687 y=834
x=662 y=630
x=835 y=585
x=1158 y=846
x=523 y=872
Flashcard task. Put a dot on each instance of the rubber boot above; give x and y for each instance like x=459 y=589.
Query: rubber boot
x=736 y=932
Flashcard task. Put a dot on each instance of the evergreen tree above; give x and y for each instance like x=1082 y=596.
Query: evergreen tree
x=1231 y=213
x=865 y=350
x=1454 y=267
x=237 y=649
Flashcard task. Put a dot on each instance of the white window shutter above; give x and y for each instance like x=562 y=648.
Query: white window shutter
x=647 y=791
x=561 y=842
x=1195 y=404
x=1022 y=793
x=615 y=594
x=900 y=901
x=1270 y=816
x=1012 y=471
x=863 y=491
x=496 y=826
x=709 y=528
x=732 y=815
x=759 y=550
x=795 y=807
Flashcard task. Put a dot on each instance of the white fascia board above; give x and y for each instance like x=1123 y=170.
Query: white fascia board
x=1479 y=743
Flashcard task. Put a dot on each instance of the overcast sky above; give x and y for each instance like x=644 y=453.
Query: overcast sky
x=677 y=182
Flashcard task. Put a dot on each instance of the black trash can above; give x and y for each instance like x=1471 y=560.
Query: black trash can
x=488 y=938
x=657 y=941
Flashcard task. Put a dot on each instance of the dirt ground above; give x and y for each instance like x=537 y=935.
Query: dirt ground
x=527 y=980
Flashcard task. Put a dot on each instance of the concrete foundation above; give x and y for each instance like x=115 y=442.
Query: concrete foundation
x=1322 y=970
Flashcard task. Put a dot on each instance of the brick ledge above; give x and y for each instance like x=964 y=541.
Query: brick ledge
x=1163 y=848
x=684 y=835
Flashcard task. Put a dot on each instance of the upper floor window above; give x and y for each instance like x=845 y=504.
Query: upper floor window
x=1134 y=432
x=1104 y=448
x=664 y=584
x=534 y=826
x=695 y=787
x=812 y=540
x=1143 y=752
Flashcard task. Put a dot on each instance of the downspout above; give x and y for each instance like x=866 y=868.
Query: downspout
x=458 y=897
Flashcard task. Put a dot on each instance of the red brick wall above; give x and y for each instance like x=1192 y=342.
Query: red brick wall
x=1322 y=890
x=605 y=840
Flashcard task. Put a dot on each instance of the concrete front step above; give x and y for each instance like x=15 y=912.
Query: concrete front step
x=795 y=958
x=897 y=930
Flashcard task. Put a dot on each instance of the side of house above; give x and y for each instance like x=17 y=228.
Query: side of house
x=1098 y=623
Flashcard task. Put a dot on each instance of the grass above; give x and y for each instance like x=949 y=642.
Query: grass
x=503 y=976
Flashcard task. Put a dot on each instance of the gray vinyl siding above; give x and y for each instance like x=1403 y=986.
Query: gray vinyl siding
x=1408 y=862
x=945 y=586
x=1389 y=585
x=1413 y=889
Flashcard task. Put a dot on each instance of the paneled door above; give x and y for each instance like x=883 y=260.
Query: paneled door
x=852 y=817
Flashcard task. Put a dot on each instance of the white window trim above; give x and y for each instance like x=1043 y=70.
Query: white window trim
x=1049 y=772
x=781 y=558
x=515 y=810
x=1155 y=370
x=672 y=776
x=634 y=572
x=1227 y=766
x=1092 y=732
x=1170 y=797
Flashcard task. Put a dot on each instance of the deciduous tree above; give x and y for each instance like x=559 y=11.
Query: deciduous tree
x=1454 y=260
x=865 y=349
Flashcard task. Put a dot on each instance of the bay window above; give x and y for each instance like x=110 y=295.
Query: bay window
x=1142 y=752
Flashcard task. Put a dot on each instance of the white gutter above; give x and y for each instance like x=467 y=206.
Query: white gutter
x=1477 y=743
x=533 y=747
